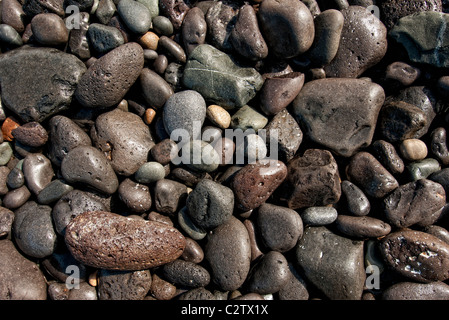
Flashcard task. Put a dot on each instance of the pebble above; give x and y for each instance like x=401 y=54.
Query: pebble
x=291 y=18
x=210 y=204
x=124 y=138
x=255 y=183
x=365 y=171
x=175 y=10
x=221 y=18
x=49 y=29
x=87 y=165
x=6 y=220
x=152 y=6
x=416 y=255
x=105 y=83
x=163 y=151
x=6 y=153
x=10 y=36
x=415 y=202
x=169 y=195
x=417 y=291
x=186 y=273
x=357 y=202
x=136 y=196
x=336 y=270
x=269 y=274
x=39 y=97
x=135 y=16
x=149 y=40
x=362 y=227
x=105 y=11
x=150 y=172
x=313 y=180
x=228 y=252
x=156 y=90
x=32 y=134
x=248 y=118
x=363 y=44
x=172 y=49
x=351 y=115
x=278 y=227
x=21 y=279
x=219 y=79
x=295 y=288
x=388 y=156
x=33 y=7
x=53 y=191
x=438 y=145
x=78 y=43
x=38 y=172
x=318 y=216
x=413 y=149
x=202 y=157
x=185 y=222
x=422 y=169
x=147 y=244
x=162 y=25
x=401 y=74
x=33 y=230
x=13 y=15
x=161 y=289
x=123 y=285
x=194 y=29
x=103 y=38
x=193 y=252
x=218 y=116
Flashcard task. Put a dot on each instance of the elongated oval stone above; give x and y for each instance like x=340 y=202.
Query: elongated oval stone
x=106 y=82
x=110 y=241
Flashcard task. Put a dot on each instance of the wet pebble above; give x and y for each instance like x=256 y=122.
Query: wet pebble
x=186 y=273
x=49 y=29
x=362 y=227
x=357 y=202
x=32 y=134
x=150 y=172
x=136 y=196
x=319 y=216
x=38 y=172
x=135 y=15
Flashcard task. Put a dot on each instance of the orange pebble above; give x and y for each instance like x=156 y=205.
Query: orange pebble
x=9 y=125
x=149 y=40
x=149 y=115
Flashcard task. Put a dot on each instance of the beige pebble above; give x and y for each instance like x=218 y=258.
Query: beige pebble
x=219 y=116
x=149 y=40
x=93 y=280
x=149 y=115
x=413 y=149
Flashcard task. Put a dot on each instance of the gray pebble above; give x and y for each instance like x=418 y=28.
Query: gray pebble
x=38 y=172
x=135 y=15
x=150 y=172
x=319 y=216
x=185 y=273
x=53 y=192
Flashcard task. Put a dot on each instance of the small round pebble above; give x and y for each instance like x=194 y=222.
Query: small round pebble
x=150 y=172
x=413 y=149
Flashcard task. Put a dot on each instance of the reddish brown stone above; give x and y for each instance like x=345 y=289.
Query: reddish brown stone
x=32 y=134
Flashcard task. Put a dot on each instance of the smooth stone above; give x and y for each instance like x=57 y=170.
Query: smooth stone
x=254 y=241
x=270 y=273
x=393 y=10
x=416 y=291
x=172 y=49
x=38 y=172
x=328 y=29
x=160 y=63
x=71 y=205
x=6 y=221
x=422 y=169
x=173 y=75
x=78 y=43
x=161 y=289
x=6 y=153
x=125 y=138
x=135 y=16
x=10 y=36
x=53 y=191
x=103 y=38
x=169 y=195
x=318 y=216
x=123 y=285
x=210 y=204
x=357 y=203
x=150 y=172
x=33 y=230
x=438 y=231
x=349 y=108
x=39 y=82
x=293 y=20
x=279 y=227
x=105 y=11
x=438 y=145
x=49 y=29
x=149 y=40
x=21 y=278
x=186 y=274
x=218 y=116
x=194 y=29
x=366 y=172
x=363 y=44
x=362 y=227
x=202 y=157
x=155 y=89
x=221 y=18
x=284 y=132
x=163 y=26
x=336 y=270
x=387 y=155
x=246 y=37
x=441 y=177
x=313 y=180
x=412 y=32
x=187 y=225
x=248 y=117
x=416 y=255
x=163 y=151
x=105 y=83
x=4 y=173
x=295 y=288
x=193 y=252
x=413 y=149
x=183 y=112
x=32 y=134
x=137 y=197
x=256 y=182
x=414 y=203
x=399 y=120
x=219 y=79
x=152 y=6
x=91 y=237
x=400 y=74
x=228 y=253
x=65 y=135
x=34 y=7
x=87 y=165
x=175 y=10
x=278 y=92
x=14 y=199
x=13 y=15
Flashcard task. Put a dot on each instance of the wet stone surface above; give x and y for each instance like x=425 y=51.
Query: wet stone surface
x=224 y=150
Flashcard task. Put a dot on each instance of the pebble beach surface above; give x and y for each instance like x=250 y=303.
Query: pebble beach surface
x=224 y=150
